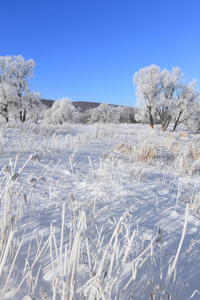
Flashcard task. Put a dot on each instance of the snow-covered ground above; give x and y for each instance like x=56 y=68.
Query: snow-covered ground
x=99 y=212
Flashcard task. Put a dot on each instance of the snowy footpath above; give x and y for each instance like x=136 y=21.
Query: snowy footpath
x=99 y=212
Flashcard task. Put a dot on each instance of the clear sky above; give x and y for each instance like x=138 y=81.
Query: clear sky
x=88 y=50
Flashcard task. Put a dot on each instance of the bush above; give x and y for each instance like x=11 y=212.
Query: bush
x=61 y=112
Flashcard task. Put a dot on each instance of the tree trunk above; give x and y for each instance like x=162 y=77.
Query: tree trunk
x=175 y=125
x=22 y=115
x=150 y=118
x=4 y=112
x=5 y=116
x=163 y=125
x=166 y=118
x=177 y=121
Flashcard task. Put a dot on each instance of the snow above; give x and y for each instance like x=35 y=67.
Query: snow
x=96 y=220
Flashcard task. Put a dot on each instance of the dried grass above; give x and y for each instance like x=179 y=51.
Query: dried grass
x=184 y=155
x=170 y=136
x=124 y=149
x=141 y=153
x=195 y=203
x=195 y=152
x=183 y=134
x=147 y=153
x=183 y=164
x=173 y=147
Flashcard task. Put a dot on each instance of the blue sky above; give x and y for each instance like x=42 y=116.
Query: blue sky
x=88 y=50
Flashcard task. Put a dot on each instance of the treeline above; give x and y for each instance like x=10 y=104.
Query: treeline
x=162 y=97
x=63 y=111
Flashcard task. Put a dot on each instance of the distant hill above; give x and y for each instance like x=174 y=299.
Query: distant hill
x=47 y=102
x=84 y=105
x=81 y=105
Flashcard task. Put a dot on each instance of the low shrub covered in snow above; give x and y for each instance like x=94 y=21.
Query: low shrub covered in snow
x=62 y=112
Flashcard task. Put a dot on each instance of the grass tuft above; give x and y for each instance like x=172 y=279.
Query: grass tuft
x=140 y=153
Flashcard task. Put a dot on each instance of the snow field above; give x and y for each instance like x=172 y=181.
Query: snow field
x=99 y=212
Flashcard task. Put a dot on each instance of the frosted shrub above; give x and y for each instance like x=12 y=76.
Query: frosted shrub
x=62 y=111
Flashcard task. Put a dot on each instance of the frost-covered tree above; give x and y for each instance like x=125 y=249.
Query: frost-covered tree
x=142 y=116
x=34 y=106
x=84 y=117
x=107 y=113
x=170 y=84
x=186 y=104
x=6 y=90
x=149 y=85
x=194 y=123
x=124 y=114
x=20 y=71
x=164 y=97
x=5 y=100
x=104 y=113
x=15 y=72
x=62 y=111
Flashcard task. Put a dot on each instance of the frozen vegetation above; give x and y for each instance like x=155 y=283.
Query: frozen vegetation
x=107 y=210
x=99 y=212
